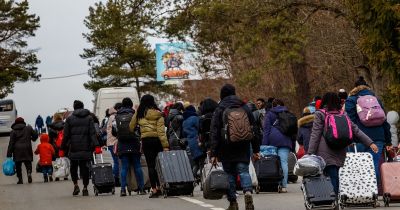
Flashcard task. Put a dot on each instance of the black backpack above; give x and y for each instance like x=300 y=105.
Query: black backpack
x=286 y=123
x=122 y=126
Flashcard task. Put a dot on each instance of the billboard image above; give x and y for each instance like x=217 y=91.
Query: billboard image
x=174 y=62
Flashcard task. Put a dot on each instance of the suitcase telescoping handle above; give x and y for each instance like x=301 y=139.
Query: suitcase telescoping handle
x=101 y=158
x=355 y=147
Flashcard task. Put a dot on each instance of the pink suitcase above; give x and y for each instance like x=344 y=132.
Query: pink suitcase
x=390 y=175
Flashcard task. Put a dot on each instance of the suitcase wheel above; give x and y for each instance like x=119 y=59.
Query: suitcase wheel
x=279 y=188
x=113 y=191
x=258 y=190
x=386 y=199
x=96 y=192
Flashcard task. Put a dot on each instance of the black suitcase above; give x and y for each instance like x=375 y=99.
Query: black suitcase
x=318 y=192
x=292 y=160
x=102 y=177
x=269 y=173
x=175 y=173
x=216 y=184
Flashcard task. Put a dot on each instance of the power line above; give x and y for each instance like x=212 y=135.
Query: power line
x=62 y=77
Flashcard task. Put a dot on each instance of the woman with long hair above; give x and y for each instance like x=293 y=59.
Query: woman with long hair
x=150 y=120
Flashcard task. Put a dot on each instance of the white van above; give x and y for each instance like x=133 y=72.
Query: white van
x=8 y=114
x=108 y=97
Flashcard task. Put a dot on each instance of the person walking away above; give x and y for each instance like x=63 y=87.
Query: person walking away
x=393 y=120
x=343 y=97
x=80 y=142
x=153 y=136
x=48 y=121
x=305 y=124
x=191 y=133
x=112 y=142
x=280 y=129
x=56 y=135
x=128 y=148
x=334 y=158
x=207 y=109
x=46 y=152
x=20 y=147
x=103 y=128
x=231 y=147
x=174 y=127
x=370 y=120
x=39 y=124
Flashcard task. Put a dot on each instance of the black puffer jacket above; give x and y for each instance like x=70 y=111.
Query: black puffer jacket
x=20 y=146
x=79 y=135
x=128 y=144
x=232 y=152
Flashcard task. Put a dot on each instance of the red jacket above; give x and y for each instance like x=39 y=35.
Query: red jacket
x=45 y=150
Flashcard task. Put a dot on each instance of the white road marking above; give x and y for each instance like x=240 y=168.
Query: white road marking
x=200 y=203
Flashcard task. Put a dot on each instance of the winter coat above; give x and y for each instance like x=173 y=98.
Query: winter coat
x=319 y=147
x=54 y=128
x=174 y=125
x=128 y=144
x=152 y=125
x=305 y=125
x=204 y=130
x=79 y=135
x=191 y=133
x=111 y=139
x=45 y=152
x=272 y=136
x=39 y=122
x=378 y=133
x=230 y=152
x=393 y=119
x=20 y=145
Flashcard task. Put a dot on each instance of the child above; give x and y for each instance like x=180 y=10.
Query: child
x=46 y=152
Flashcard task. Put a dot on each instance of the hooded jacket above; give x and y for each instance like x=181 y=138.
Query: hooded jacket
x=319 y=147
x=378 y=133
x=191 y=133
x=54 y=128
x=272 y=136
x=305 y=125
x=45 y=151
x=20 y=145
x=79 y=135
x=152 y=125
x=393 y=119
x=111 y=140
x=174 y=124
x=230 y=152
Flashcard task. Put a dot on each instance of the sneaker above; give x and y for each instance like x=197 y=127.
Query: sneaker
x=85 y=192
x=233 y=206
x=29 y=178
x=283 y=190
x=50 y=178
x=248 y=201
x=123 y=192
x=76 y=190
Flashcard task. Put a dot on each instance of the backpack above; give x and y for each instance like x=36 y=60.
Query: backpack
x=60 y=136
x=236 y=125
x=122 y=122
x=337 y=133
x=286 y=123
x=370 y=111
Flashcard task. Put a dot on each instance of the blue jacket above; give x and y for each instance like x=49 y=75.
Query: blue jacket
x=378 y=133
x=305 y=125
x=272 y=136
x=191 y=133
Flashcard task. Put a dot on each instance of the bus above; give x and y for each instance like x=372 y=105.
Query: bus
x=8 y=114
x=107 y=97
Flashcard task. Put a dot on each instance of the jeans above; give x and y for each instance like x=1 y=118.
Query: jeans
x=47 y=170
x=18 y=166
x=333 y=172
x=151 y=147
x=115 y=160
x=375 y=156
x=233 y=169
x=134 y=160
x=283 y=153
x=83 y=171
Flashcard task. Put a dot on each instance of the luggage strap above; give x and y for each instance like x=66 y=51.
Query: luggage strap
x=101 y=158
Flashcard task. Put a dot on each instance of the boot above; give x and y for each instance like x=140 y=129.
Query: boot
x=117 y=182
x=76 y=190
x=85 y=192
x=50 y=178
x=46 y=178
x=123 y=192
x=20 y=180
x=29 y=178
x=233 y=206
x=248 y=201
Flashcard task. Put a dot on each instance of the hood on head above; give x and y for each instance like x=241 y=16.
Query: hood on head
x=81 y=113
x=152 y=114
x=358 y=89
x=232 y=100
x=18 y=126
x=305 y=120
x=392 y=117
x=174 y=112
x=44 y=138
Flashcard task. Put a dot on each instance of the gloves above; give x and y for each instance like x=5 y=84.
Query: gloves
x=97 y=150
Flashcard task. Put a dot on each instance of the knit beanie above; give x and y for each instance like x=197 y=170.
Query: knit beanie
x=19 y=120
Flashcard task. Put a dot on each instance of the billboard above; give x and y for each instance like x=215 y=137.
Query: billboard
x=175 y=63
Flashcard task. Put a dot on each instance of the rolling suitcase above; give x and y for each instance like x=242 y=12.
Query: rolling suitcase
x=102 y=177
x=390 y=176
x=318 y=192
x=175 y=173
x=357 y=180
x=269 y=173
x=132 y=185
x=292 y=159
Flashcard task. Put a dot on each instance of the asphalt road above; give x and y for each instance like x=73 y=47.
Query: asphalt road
x=58 y=195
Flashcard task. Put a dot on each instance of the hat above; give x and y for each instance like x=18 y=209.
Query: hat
x=44 y=137
x=186 y=104
x=342 y=91
x=19 y=120
x=78 y=105
x=227 y=90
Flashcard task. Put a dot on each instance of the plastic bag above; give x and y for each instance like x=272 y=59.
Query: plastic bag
x=9 y=167
x=268 y=150
x=61 y=167
x=309 y=165
x=253 y=174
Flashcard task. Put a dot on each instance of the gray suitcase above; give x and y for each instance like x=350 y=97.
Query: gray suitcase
x=131 y=177
x=175 y=173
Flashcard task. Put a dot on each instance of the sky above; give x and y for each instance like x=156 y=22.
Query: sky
x=59 y=42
